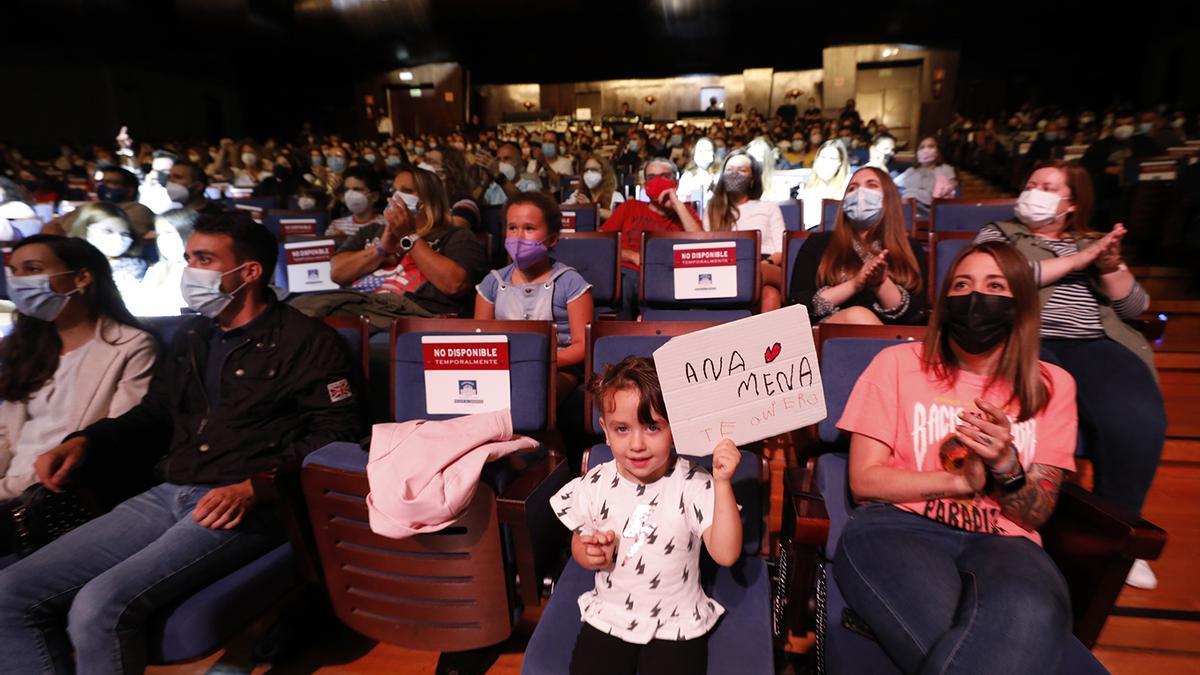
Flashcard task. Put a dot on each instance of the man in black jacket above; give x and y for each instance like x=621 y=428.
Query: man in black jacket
x=252 y=385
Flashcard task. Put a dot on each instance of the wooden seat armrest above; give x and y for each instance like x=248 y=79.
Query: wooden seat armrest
x=525 y=507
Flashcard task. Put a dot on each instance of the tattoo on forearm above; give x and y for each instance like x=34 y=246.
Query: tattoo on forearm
x=1032 y=505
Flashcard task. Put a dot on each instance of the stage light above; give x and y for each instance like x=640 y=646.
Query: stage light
x=406 y=76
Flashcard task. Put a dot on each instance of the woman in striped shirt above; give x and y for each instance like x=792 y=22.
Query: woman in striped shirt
x=1087 y=294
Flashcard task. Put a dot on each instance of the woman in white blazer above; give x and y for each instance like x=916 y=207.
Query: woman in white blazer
x=75 y=355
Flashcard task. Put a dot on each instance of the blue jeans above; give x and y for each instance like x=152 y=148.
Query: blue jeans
x=1121 y=414
x=104 y=580
x=941 y=600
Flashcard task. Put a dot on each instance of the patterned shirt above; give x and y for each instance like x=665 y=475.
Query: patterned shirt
x=653 y=590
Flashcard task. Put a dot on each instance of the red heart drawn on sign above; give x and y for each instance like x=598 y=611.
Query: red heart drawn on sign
x=772 y=352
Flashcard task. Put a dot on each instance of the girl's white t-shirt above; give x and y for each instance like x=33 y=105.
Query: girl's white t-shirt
x=764 y=217
x=653 y=590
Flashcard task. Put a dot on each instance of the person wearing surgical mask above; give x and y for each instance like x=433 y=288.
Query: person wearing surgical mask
x=1088 y=294
x=558 y=162
x=75 y=355
x=186 y=185
x=1050 y=144
x=249 y=167
x=1106 y=160
x=929 y=179
x=361 y=194
x=535 y=287
x=830 y=174
x=737 y=206
x=107 y=228
x=118 y=187
x=498 y=178
x=883 y=148
x=598 y=185
x=160 y=292
x=696 y=181
x=249 y=386
x=415 y=263
x=867 y=270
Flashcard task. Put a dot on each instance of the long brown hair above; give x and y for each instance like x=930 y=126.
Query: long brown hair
x=722 y=213
x=29 y=357
x=1079 y=181
x=841 y=261
x=603 y=193
x=1019 y=367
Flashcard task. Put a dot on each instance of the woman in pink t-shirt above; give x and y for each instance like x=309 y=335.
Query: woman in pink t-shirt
x=958 y=449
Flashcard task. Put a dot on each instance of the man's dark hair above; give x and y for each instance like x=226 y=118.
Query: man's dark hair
x=198 y=175
x=128 y=179
x=251 y=241
x=367 y=175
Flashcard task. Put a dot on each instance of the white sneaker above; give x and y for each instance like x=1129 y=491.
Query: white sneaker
x=1141 y=576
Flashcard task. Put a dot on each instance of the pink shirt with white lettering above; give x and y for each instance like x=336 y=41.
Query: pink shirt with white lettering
x=914 y=413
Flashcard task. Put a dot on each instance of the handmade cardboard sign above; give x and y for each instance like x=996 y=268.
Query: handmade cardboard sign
x=705 y=270
x=308 y=265
x=465 y=373
x=745 y=380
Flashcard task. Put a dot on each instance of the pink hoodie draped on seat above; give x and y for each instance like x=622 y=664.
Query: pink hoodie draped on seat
x=423 y=473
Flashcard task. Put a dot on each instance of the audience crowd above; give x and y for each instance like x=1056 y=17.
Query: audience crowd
x=101 y=234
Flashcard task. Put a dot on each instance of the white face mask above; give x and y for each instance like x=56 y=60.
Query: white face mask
x=180 y=194
x=35 y=298
x=111 y=238
x=863 y=207
x=356 y=201
x=202 y=290
x=249 y=158
x=825 y=168
x=509 y=171
x=592 y=178
x=1037 y=207
x=1123 y=132
x=306 y=203
x=412 y=202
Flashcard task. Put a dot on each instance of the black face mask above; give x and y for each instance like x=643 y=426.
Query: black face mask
x=978 y=322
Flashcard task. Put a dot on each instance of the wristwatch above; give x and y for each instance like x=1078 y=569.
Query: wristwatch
x=408 y=241
x=1009 y=482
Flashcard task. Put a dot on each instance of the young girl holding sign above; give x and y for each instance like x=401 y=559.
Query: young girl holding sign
x=536 y=287
x=638 y=522
x=958 y=448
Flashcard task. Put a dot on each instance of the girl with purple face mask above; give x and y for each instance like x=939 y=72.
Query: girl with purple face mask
x=536 y=287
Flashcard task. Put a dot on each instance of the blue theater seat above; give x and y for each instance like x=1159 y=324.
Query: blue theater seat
x=658 y=278
x=464 y=587
x=597 y=258
x=968 y=215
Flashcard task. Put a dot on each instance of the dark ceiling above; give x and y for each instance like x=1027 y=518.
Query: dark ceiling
x=565 y=40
